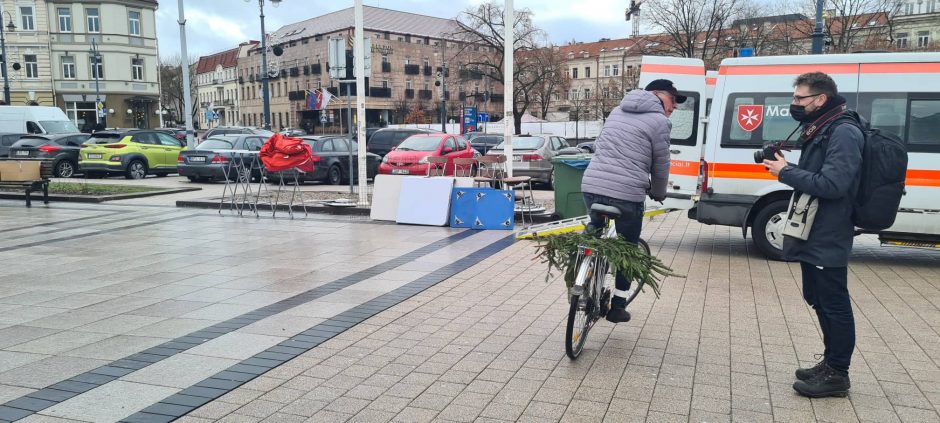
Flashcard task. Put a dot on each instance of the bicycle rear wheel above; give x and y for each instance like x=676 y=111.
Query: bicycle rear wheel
x=580 y=313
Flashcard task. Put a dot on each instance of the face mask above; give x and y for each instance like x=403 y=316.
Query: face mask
x=798 y=113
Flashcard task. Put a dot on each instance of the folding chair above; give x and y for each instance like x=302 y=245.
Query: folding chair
x=490 y=170
x=281 y=186
x=437 y=166
x=463 y=168
x=526 y=198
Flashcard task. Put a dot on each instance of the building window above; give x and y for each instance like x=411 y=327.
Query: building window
x=587 y=93
x=385 y=83
x=606 y=70
x=923 y=38
x=408 y=85
x=384 y=58
x=908 y=8
x=27 y=18
x=137 y=69
x=931 y=6
x=587 y=71
x=97 y=68
x=901 y=40
x=616 y=70
x=407 y=60
x=574 y=73
x=133 y=20
x=68 y=67
x=94 y=21
x=32 y=65
x=65 y=19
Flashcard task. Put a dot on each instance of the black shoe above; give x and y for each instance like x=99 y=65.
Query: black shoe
x=809 y=373
x=828 y=382
x=618 y=315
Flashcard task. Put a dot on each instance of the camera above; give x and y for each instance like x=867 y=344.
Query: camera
x=768 y=151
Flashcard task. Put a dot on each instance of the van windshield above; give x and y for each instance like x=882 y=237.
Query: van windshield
x=59 y=126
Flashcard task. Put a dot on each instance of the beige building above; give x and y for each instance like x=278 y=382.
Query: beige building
x=217 y=89
x=126 y=74
x=27 y=48
x=599 y=74
x=406 y=51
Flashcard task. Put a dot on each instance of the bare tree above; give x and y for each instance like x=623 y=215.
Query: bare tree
x=554 y=82
x=482 y=27
x=582 y=106
x=849 y=24
x=171 y=86
x=607 y=98
x=690 y=27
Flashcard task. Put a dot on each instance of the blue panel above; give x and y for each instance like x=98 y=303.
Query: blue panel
x=482 y=208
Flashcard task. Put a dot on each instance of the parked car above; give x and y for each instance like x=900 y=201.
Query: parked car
x=209 y=159
x=177 y=133
x=385 y=139
x=483 y=142
x=236 y=130
x=61 y=148
x=35 y=120
x=532 y=156
x=411 y=156
x=134 y=153
x=6 y=141
x=332 y=156
x=289 y=132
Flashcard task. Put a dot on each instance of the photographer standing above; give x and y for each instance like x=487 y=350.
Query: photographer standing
x=828 y=174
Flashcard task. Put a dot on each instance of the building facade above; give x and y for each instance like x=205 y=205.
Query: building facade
x=598 y=74
x=406 y=51
x=105 y=50
x=218 y=93
x=27 y=48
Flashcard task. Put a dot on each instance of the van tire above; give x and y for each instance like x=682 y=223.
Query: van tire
x=770 y=215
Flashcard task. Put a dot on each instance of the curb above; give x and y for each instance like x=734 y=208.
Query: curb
x=9 y=195
x=357 y=211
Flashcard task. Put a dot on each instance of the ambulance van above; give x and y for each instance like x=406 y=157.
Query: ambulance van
x=896 y=92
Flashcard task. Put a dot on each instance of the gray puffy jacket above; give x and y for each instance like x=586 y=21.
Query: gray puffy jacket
x=631 y=151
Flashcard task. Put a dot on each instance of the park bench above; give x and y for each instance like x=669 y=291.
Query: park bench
x=27 y=174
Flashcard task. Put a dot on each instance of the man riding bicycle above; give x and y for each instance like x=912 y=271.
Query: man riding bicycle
x=631 y=161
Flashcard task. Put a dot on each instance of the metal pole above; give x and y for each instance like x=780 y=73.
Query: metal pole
x=6 y=78
x=184 y=64
x=818 y=31
x=96 y=58
x=349 y=127
x=359 y=59
x=443 y=92
x=265 y=90
x=508 y=98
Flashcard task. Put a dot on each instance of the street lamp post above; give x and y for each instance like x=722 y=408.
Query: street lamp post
x=3 y=51
x=818 y=30
x=265 y=90
x=96 y=59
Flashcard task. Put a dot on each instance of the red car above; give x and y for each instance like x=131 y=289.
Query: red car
x=411 y=156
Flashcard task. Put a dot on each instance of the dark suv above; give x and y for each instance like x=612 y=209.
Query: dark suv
x=236 y=130
x=63 y=149
x=385 y=139
x=6 y=141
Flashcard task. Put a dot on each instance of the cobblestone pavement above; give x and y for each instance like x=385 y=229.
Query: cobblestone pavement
x=426 y=324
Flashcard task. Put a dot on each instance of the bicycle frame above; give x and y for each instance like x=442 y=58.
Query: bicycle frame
x=589 y=260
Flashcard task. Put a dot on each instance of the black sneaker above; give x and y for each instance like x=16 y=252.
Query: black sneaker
x=618 y=315
x=808 y=373
x=828 y=382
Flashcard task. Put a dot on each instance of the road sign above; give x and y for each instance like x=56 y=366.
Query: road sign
x=469 y=122
x=366 y=57
x=483 y=117
x=322 y=118
x=337 y=57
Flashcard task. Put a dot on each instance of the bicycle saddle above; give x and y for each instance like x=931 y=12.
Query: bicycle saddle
x=610 y=211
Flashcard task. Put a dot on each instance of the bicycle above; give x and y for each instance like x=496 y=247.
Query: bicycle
x=590 y=294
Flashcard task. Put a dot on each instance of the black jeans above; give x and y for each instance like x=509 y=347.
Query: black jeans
x=826 y=290
x=628 y=225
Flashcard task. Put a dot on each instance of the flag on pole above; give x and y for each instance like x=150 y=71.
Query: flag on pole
x=310 y=98
x=323 y=99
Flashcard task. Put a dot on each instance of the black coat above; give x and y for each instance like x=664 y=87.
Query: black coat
x=830 y=173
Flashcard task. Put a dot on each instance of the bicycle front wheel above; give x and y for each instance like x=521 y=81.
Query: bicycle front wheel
x=579 y=313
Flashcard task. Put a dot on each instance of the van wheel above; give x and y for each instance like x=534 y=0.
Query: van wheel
x=767 y=229
x=136 y=170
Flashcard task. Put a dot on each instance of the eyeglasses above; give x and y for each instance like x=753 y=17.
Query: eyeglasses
x=798 y=98
x=672 y=98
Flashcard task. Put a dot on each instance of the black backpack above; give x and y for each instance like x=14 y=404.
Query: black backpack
x=883 y=171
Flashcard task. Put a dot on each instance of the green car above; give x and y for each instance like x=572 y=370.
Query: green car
x=133 y=153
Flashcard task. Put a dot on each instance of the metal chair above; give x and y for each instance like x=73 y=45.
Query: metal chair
x=437 y=166
x=463 y=167
x=295 y=172
x=526 y=198
x=490 y=170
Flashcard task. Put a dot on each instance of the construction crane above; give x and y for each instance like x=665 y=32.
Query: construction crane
x=633 y=16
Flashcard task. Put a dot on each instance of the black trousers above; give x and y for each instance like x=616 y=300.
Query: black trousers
x=629 y=225
x=826 y=290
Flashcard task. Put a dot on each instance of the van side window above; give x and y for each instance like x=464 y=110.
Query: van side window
x=32 y=128
x=925 y=122
x=913 y=117
x=775 y=123
x=685 y=120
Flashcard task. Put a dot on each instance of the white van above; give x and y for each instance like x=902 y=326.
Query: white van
x=895 y=92
x=35 y=120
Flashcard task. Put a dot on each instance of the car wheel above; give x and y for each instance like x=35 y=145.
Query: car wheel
x=335 y=177
x=767 y=229
x=551 y=179
x=65 y=169
x=136 y=169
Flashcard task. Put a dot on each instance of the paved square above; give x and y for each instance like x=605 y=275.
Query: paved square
x=164 y=312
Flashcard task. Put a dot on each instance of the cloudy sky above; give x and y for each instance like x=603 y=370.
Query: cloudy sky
x=215 y=25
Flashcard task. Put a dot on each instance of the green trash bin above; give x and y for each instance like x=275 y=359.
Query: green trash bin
x=569 y=200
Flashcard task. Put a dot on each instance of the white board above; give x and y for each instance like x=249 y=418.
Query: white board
x=463 y=182
x=425 y=201
x=385 y=194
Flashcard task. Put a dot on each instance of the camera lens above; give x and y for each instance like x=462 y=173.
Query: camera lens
x=758 y=156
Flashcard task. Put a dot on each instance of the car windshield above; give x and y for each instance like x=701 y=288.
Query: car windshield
x=523 y=143
x=215 y=144
x=59 y=126
x=103 y=139
x=263 y=132
x=420 y=143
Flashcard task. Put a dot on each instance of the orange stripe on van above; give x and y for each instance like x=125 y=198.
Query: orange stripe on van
x=922 y=178
x=915 y=177
x=683 y=167
x=900 y=68
x=788 y=69
x=711 y=81
x=673 y=69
